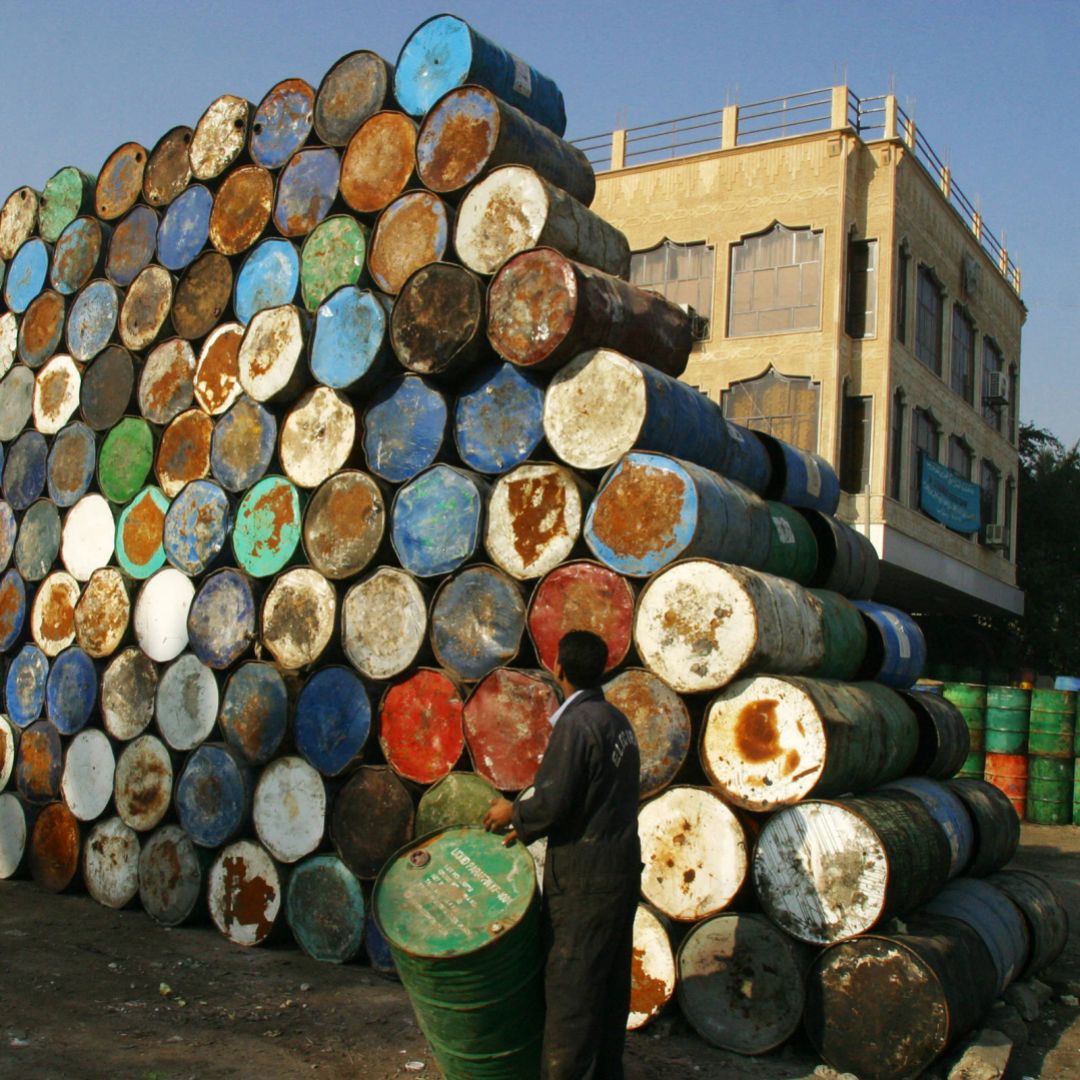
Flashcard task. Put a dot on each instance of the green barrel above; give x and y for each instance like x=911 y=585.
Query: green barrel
x=901 y=730
x=1052 y=729
x=1008 y=712
x=845 y=636
x=793 y=552
x=1076 y=794
x=1050 y=790
x=459 y=798
x=461 y=914
x=333 y=255
x=68 y=194
x=970 y=699
x=125 y=460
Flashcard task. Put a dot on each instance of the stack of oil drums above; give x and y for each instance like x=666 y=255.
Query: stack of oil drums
x=322 y=421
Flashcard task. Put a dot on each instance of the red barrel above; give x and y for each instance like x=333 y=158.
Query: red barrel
x=55 y=848
x=420 y=726
x=1009 y=773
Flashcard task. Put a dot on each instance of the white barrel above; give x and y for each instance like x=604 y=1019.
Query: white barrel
x=13 y=834
x=86 y=784
x=298 y=616
x=167 y=382
x=271 y=352
x=170 y=876
x=700 y=623
x=161 y=612
x=102 y=613
x=384 y=623
x=110 y=858
x=52 y=615
x=289 y=810
x=56 y=394
x=9 y=744
x=187 y=702
x=652 y=969
x=244 y=892
x=317 y=437
x=217 y=371
x=89 y=536
x=695 y=853
x=142 y=787
x=128 y=691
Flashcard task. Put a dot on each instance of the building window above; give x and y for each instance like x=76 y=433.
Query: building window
x=1014 y=404
x=903 y=272
x=896 y=445
x=861 y=317
x=855 y=443
x=681 y=272
x=928 y=324
x=776 y=282
x=779 y=405
x=990 y=483
x=961 y=459
x=1010 y=504
x=993 y=366
x=925 y=441
x=962 y=360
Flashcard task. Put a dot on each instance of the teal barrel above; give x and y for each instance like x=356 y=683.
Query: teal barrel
x=325 y=909
x=845 y=636
x=461 y=915
x=970 y=699
x=1052 y=727
x=332 y=255
x=794 y=552
x=67 y=194
x=1008 y=711
x=1050 y=790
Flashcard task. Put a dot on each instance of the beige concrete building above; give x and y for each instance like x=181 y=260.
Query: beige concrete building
x=852 y=301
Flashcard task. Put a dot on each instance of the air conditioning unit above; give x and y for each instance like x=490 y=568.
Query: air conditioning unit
x=994 y=535
x=996 y=388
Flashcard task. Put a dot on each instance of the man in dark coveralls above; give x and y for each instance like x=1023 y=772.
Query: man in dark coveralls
x=584 y=799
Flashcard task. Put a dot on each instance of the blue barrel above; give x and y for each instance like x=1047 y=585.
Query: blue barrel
x=213 y=794
x=950 y=813
x=800 y=477
x=281 y=123
x=325 y=909
x=92 y=320
x=350 y=338
x=77 y=255
x=405 y=428
x=746 y=459
x=71 y=690
x=38 y=544
x=24 y=686
x=445 y=52
x=25 y=470
x=8 y=526
x=69 y=468
x=197 y=527
x=477 y=620
x=12 y=609
x=436 y=520
x=242 y=445
x=498 y=417
x=184 y=228
x=132 y=246
x=254 y=715
x=222 y=619
x=1067 y=682
x=378 y=951
x=333 y=720
x=268 y=526
x=140 y=531
x=26 y=274
x=306 y=190
x=895 y=647
x=269 y=278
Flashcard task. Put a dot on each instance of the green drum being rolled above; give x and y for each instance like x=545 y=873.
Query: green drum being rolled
x=461 y=914
x=1008 y=713
x=1050 y=790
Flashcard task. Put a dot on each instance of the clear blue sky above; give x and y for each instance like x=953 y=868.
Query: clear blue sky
x=995 y=86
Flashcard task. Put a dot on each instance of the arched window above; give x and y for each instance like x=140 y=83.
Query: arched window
x=925 y=441
x=782 y=405
x=776 y=282
x=681 y=272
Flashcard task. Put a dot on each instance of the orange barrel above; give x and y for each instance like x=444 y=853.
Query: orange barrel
x=384 y=623
x=18 y=218
x=652 y=968
x=202 y=296
x=344 y=524
x=167 y=383
x=168 y=168
x=107 y=388
x=128 y=689
x=332 y=720
x=289 y=810
x=255 y=711
x=996 y=820
x=12 y=610
x=171 y=876
x=281 y=123
x=271 y=352
x=1009 y=773
x=371 y=817
x=39 y=763
x=379 y=163
x=242 y=446
x=16 y=822
x=56 y=394
x=110 y=863
x=319 y=437
x=220 y=136
x=355 y=87
x=120 y=181
x=242 y=208
x=298 y=616
x=411 y=232
x=55 y=848
x=507 y=725
x=420 y=726
x=103 y=613
x=131 y=247
x=695 y=852
x=161 y=611
x=144 y=314
x=244 y=892
x=183 y=454
x=217 y=370
x=41 y=328
x=944 y=738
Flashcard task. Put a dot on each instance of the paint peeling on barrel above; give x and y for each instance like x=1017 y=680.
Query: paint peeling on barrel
x=110 y=863
x=39 y=764
x=289 y=809
x=498 y=418
x=306 y=189
x=183 y=454
x=92 y=319
x=268 y=526
x=185 y=227
x=24 y=469
x=170 y=876
x=24 y=685
x=384 y=623
x=202 y=296
x=217 y=373
x=333 y=255
x=120 y=181
x=41 y=328
x=197 y=527
x=244 y=893
x=18 y=219
x=168 y=168
x=269 y=278
x=271 y=352
x=52 y=616
x=411 y=232
x=146 y=307
x=242 y=209
x=298 y=617
x=213 y=795
x=255 y=710
x=379 y=162
x=144 y=782
x=350 y=342
x=167 y=382
x=103 y=613
x=16 y=403
x=128 y=689
x=405 y=428
x=220 y=136
x=132 y=246
x=26 y=274
x=344 y=524
x=420 y=726
x=358 y=85
x=55 y=847
x=221 y=620
x=281 y=123
x=317 y=437
x=56 y=394
x=67 y=194
x=38 y=543
x=77 y=255
x=243 y=444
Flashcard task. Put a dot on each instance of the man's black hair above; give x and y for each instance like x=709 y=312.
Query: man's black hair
x=583 y=656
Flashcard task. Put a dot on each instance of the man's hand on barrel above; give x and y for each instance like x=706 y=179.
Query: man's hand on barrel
x=498 y=817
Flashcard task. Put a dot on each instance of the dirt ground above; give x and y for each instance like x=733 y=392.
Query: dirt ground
x=87 y=992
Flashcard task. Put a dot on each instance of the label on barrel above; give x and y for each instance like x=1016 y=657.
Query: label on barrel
x=522 y=77
x=784 y=532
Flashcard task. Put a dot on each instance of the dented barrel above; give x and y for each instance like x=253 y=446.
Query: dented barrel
x=420 y=726
x=411 y=232
x=355 y=87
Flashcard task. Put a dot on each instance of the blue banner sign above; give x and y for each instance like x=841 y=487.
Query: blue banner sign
x=947 y=497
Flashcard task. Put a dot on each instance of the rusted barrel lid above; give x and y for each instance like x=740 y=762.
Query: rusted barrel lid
x=221 y=620
x=71 y=691
x=358 y=85
x=103 y=613
x=243 y=445
x=24 y=685
x=254 y=715
x=661 y=722
x=411 y=232
x=581 y=595
x=9 y=340
x=306 y=189
x=405 y=428
x=695 y=852
x=380 y=161
x=70 y=466
x=325 y=909
x=146 y=307
x=167 y=382
x=41 y=328
x=24 y=469
x=333 y=255
x=161 y=612
x=299 y=613
x=183 y=454
x=371 y=818
x=187 y=702
x=289 y=809
x=142 y=788
x=344 y=524
x=8 y=529
x=213 y=794
x=168 y=168
x=120 y=181
x=86 y=785
x=220 y=136
x=244 y=893
x=515 y=208
x=27 y=273
x=38 y=542
x=202 y=295
x=652 y=972
x=384 y=623
x=459 y=798
x=16 y=401
x=170 y=876
x=317 y=437
x=39 y=764
x=55 y=848
x=9 y=741
x=333 y=720
x=110 y=863
x=436 y=520
x=281 y=123
x=477 y=622
x=469 y=131
x=68 y=193
x=185 y=227
x=56 y=394
x=125 y=458
x=12 y=610
x=269 y=278
x=128 y=690
x=89 y=536
x=267 y=529
x=506 y=725
x=217 y=372
x=92 y=320
x=350 y=340
x=271 y=352
x=16 y=821
x=132 y=246
x=78 y=255
x=140 y=532
x=242 y=208
x=498 y=417
x=420 y=726
x=197 y=527
x=18 y=219
x=52 y=615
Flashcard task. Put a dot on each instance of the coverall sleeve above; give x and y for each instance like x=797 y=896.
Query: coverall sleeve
x=559 y=785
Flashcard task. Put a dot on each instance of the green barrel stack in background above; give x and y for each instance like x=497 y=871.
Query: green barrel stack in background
x=1050 y=757
x=970 y=699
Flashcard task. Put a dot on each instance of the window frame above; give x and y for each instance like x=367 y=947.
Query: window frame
x=961 y=321
x=861 y=324
x=929 y=337
x=670 y=283
x=922 y=419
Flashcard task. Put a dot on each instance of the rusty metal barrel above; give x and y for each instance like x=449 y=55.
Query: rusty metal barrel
x=299 y=613
x=652 y=968
x=166 y=385
x=268 y=278
x=944 y=738
x=16 y=401
x=414 y=230
x=459 y=798
x=132 y=246
x=350 y=344
x=13 y=609
x=334 y=254
x=144 y=313
x=18 y=219
x=217 y=370
x=325 y=909
x=267 y=527
x=332 y=720
x=185 y=227
x=384 y=623
x=55 y=848
x=68 y=193
x=52 y=614
x=168 y=167
x=107 y=387
x=39 y=763
x=171 y=876
x=27 y=273
x=143 y=783
x=9 y=745
x=25 y=470
x=91 y=321
x=120 y=181
x=355 y=87
x=140 y=534
x=203 y=295
x=379 y=163
x=306 y=189
x=213 y=794
x=56 y=394
x=103 y=613
x=420 y=725
x=372 y=817
x=38 y=543
x=319 y=437
x=79 y=255
x=242 y=447
x=187 y=700
x=498 y=417
x=220 y=136
x=222 y=618
x=244 y=891
x=41 y=328
x=128 y=689
x=70 y=464
x=242 y=208
x=71 y=690
x=289 y=809
x=344 y=524
x=110 y=863
x=281 y=123
x=406 y=428
x=183 y=455
x=271 y=354
x=255 y=712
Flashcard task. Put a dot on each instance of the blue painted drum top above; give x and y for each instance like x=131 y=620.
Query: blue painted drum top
x=71 y=463
x=9 y=527
x=282 y=123
x=71 y=690
x=222 y=618
x=801 y=477
x=12 y=608
x=405 y=428
x=350 y=338
x=25 y=470
x=254 y=714
x=24 y=687
x=92 y=320
x=185 y=227
x=897 y=649
x=498 y=418
x=333 y=719
x=197 y=526
x=306 y=190
x=26 y=274
x=132 y=246
x=213 y=795
x=269 y=278
x=242 y=445
x=436 y=521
